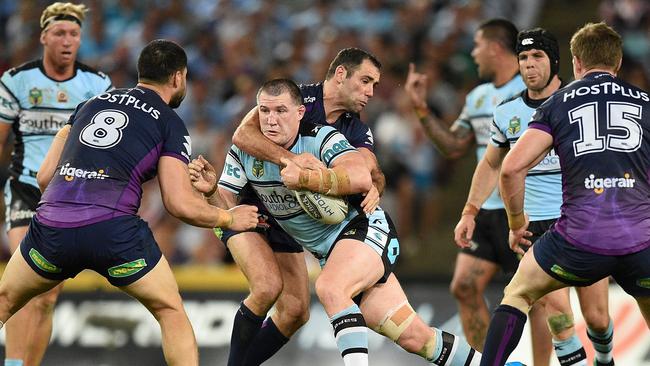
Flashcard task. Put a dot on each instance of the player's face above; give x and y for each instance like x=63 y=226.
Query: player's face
x=279 y=117
x=535 y=68
x=483 y=55
x=357 y=89
x=179 y=95
x=61 y=42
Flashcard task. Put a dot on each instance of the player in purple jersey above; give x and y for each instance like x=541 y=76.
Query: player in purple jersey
x=36 y=99
x=272 y=261
x=599 y=131
x=87 y=218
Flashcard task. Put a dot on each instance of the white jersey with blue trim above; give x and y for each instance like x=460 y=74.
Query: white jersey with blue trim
x=326 y=144
x=477 y=116
x=543 y=197
x=38 y=107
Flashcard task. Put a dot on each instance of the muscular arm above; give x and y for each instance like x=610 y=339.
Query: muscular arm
x=46 y=171
x=529 y=150
x=376 y=174
x=182 y=201
x=354 y=166
x=486 y=175
x=229 y=199
x=249 y=138
x=452 y=142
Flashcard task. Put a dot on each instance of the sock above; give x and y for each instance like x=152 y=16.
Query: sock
x=351 y=336
x=570 y=352
x=267 y=342
x=451 y=350
x=244 y=329
x=603 y=344
x=503 y=335
x=13 y=362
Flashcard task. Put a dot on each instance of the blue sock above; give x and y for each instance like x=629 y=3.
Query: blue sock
x=570 y=352
x=445 y=354
x=351 y=335
x=267 y=342
x=244 y=329
x=603 y=344
x=13 y=362
x=503 y=335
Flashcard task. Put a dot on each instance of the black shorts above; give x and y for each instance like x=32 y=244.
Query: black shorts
x=121 y=249
x=490 y=240
x=378 y=232
x=576 y=267
x=21 y=200
x=276 y=237
x=538 y=228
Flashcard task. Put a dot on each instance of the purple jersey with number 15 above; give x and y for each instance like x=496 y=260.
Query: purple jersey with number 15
x=113 y=147
x=601 y=133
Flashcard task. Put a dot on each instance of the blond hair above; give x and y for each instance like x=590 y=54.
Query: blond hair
x=63 y=11
x=597 y=45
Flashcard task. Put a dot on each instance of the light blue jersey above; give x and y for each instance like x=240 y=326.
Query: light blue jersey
x=38 y=107
x=326 y=144
x=477 y=116
x=543 y=196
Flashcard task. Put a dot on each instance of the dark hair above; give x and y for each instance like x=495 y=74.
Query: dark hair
x=351 y=58
x=159 y=60
x=540 y=39
x=276 y=87
x=502 y=31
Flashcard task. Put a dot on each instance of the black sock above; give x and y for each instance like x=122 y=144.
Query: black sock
x=268 y=342
x=244 y=329
x=503 y=335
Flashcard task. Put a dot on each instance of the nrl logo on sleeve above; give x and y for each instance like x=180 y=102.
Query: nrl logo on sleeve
x=35 y=96
x=258 y=168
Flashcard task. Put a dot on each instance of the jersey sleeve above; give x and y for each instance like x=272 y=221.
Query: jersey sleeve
x=177 y=142
x=498 y=138
x=361 y=136
x=332 y=145
x=232 y=177
x=463 y=119
x=9 y=105
x=104 y=83
x=541 y=119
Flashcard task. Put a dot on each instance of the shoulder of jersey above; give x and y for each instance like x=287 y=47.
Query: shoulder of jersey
x=85 y=68
x=311 y=129
x=34 y=64
x=512 y=98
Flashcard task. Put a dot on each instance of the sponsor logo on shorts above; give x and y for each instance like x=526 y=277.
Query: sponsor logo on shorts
x=600 y=184
x=21 y=215
x=643 y=282
x=566 y=274
x=69 y=173
x=42 y=263
x=127 y=269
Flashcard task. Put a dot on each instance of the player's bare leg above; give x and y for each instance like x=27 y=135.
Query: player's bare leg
x=568 y=347
x=29 y=330
x=291 y=310
x=158 y=292
x=256 y=260
x=600 y=328
x=387 y=311
x=471 y=276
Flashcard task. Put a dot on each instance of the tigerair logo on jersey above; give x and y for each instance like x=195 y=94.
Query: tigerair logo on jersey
x=600 y=184
x=69 y=173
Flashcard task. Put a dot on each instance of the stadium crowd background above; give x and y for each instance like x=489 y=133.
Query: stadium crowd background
x=234 y=45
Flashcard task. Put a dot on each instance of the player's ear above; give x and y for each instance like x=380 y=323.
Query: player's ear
x=42 y=38
x=341 y=73
x=301 y=111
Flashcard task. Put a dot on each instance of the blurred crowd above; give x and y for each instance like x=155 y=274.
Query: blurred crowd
x=234 y=45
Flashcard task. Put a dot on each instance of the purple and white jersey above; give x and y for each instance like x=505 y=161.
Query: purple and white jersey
x=601 y=133
x=113 y=147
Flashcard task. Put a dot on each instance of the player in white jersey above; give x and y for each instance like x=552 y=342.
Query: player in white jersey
x=36 y=100
x=356 y=286
x=539 y=60
x=476 y=265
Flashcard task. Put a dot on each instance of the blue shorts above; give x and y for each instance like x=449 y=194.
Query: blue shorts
x=121 y=249
x=276 y=237
x=576 y=267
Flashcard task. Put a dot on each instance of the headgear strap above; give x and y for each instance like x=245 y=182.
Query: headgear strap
x=60 y=17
